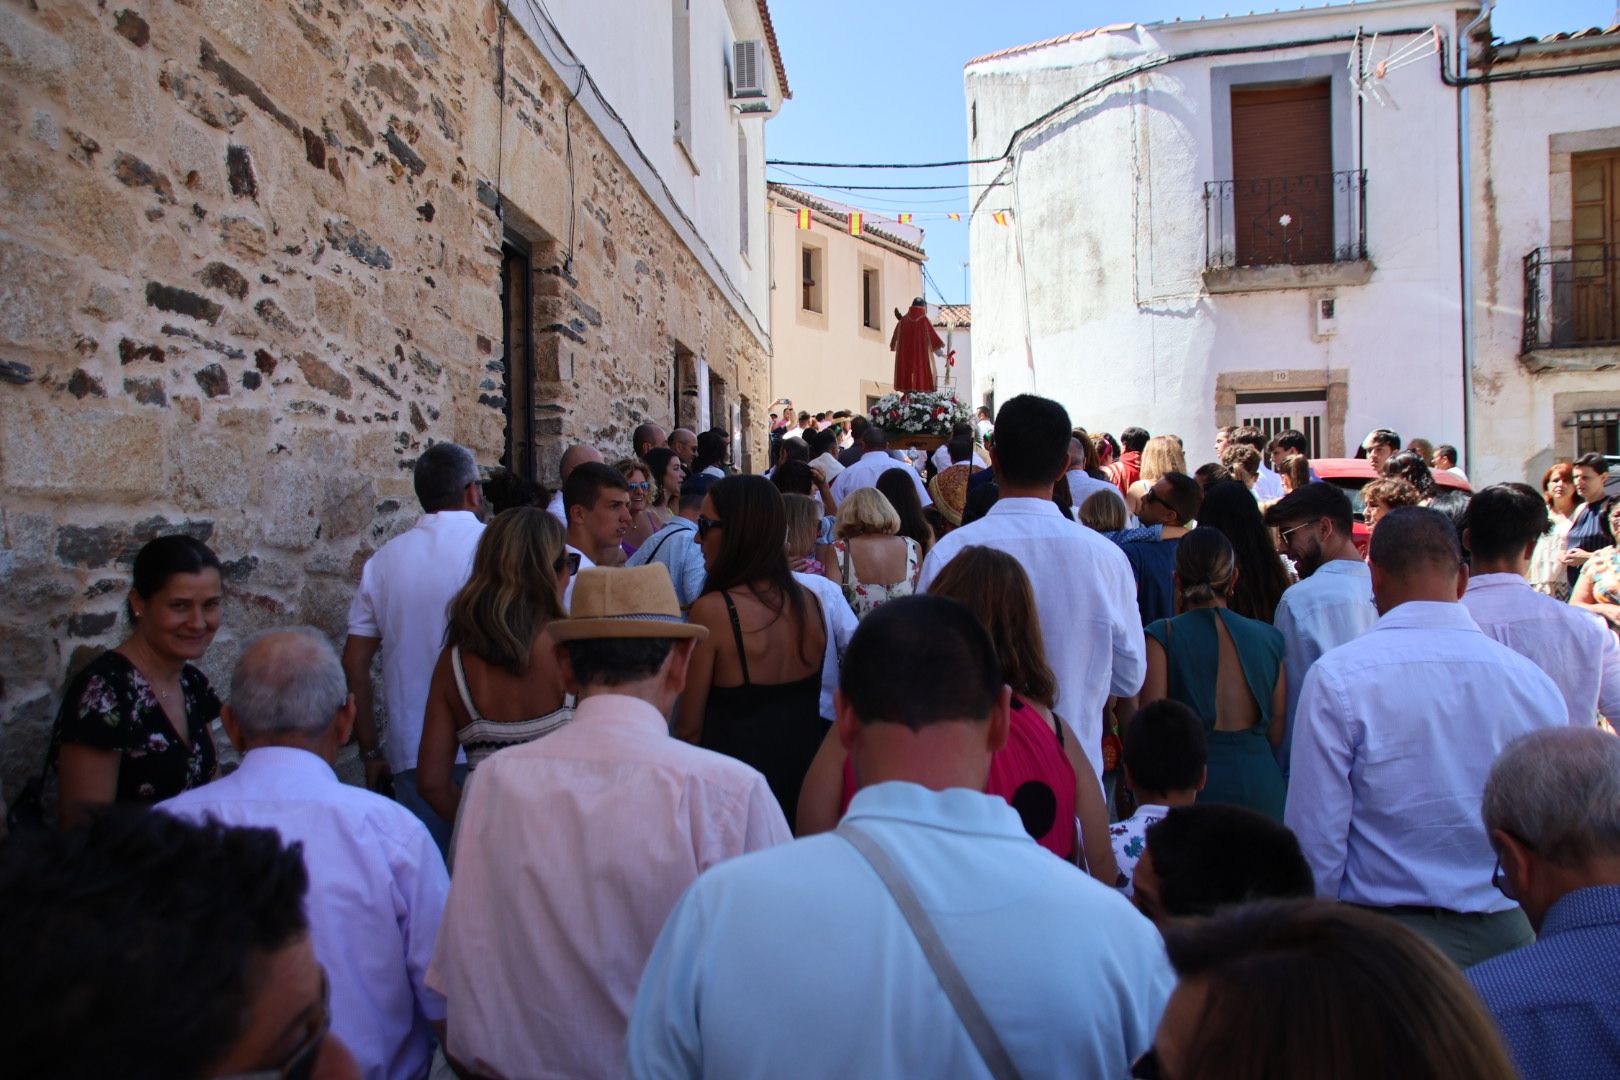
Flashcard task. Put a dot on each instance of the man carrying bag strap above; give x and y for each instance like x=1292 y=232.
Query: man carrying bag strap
x=850 y=954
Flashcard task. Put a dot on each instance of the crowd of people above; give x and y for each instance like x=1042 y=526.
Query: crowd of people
x=1070 y=758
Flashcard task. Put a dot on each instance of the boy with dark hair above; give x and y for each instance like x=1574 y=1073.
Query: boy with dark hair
x=1203 y=858
x=596 y=498
x=1166 y=757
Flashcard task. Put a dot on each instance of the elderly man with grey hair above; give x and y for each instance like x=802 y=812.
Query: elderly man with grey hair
x=377 y=884
x=1552 y=809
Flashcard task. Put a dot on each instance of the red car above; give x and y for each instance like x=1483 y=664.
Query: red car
x=1352 y=474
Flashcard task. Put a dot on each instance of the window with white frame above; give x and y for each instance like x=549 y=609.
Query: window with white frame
x=811 y=286
x=871 y=298
x=1304 y=411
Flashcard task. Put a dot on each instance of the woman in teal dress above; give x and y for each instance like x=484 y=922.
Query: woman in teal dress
x=1226 y=668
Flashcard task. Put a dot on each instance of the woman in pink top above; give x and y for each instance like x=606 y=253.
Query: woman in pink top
x=1041 y=772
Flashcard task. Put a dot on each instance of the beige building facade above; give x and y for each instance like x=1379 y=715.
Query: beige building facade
x=258 y=256
x=833 y=300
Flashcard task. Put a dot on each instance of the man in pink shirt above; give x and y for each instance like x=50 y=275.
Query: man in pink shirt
x=572 y=850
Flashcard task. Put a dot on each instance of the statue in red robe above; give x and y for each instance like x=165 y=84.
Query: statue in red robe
x=914 y=344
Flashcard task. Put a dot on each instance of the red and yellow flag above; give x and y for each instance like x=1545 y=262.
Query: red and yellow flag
x=855 y=223
x=954 y=217
x=804 y=219
x=905 y=219
x=1000 y=217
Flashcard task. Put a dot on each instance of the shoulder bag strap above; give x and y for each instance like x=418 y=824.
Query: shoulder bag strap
x=950 y=977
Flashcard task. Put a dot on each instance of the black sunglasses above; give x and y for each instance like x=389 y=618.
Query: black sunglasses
x=569 y=559
x=705 y=524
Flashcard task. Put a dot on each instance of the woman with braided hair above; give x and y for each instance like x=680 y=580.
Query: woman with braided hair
x=1226 y=668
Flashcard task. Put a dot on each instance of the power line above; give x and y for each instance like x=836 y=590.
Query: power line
x=900 y=187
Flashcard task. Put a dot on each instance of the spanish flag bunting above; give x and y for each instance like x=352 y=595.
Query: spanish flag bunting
x=855 y=223
x=954 y=217
x=1000 y=217
x=905 y=219
x=804 y=219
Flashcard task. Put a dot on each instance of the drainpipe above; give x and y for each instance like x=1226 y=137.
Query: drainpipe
x=1466 y=230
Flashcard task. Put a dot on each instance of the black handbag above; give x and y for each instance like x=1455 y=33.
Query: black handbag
x=27 y=810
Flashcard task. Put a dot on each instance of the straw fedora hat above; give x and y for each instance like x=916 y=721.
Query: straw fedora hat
x=631 y=602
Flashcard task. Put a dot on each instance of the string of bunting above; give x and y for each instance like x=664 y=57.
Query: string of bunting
x=860 y=219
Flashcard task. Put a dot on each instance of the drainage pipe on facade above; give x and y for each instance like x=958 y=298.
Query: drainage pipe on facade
x=1465 y=212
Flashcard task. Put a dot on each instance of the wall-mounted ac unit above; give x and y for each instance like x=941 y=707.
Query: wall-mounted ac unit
x=748 y=75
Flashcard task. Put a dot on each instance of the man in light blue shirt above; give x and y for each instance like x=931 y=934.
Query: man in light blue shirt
x=1396 y=734
x=675 y=547
x=799 y=962
x=1332 y=603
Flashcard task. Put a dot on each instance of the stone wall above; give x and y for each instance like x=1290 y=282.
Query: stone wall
x=250 y=265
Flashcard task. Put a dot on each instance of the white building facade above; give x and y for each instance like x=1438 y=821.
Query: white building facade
x=1205 y=223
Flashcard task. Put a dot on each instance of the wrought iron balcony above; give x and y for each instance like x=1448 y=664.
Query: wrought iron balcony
x=1572 y=297
x=1285 y=220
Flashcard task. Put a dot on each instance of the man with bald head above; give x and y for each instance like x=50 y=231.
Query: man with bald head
x=647 y=438
x=572 y=458
x=377 y=885
x=684 y=442
x=1394 y=738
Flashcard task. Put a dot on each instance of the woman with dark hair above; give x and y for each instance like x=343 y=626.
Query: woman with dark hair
x=1589 y=528
x=667 y=473
x=897 y=487
x=1547 y=573
x=712 y=448
x=1041 y=771
x=753 y=690
x=1410 y=466
x=497 y=683
x=1226 y=668
x=1230 y=507
x=1357 y=994
x=133 y=726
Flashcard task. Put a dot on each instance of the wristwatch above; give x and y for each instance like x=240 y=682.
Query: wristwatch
x=374 y=754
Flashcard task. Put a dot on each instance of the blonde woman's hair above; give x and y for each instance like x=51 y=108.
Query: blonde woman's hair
x=631 y=465
x=513 y=590
x=1103 y=511
x=866 y=511
x=803 y=521
x=1162 y=454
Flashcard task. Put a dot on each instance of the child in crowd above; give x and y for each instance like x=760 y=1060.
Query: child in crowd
x=1165 y=758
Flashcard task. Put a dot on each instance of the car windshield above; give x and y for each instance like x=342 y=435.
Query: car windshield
x=1352 y=486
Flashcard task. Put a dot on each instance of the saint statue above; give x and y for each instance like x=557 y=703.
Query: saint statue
x=914 y=344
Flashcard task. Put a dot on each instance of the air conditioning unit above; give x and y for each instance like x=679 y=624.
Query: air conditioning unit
x=748 y=74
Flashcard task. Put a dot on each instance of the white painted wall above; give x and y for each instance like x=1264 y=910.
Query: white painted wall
x=830 y=361
x=960 y=340
x=629 y=53
x=1517 y=194
x=1101 y=267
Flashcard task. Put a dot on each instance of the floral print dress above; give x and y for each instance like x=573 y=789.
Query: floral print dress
x=864 y=598
x=111 y=706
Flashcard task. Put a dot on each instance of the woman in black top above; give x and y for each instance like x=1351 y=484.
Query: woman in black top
x=753 y=690
x=1589 y=529
x=134 y=724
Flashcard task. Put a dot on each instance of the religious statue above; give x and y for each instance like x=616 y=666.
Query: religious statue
x=914 y=344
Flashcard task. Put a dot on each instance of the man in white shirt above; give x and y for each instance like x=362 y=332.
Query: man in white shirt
x=1395 y=735
x=573 y=457
x=822 y=445
x=798 y=960
x=1445 y=460
x=597 y=498
x=1332 y=602
x=1085 y=593
x=942 y=454
x=377 y=884
x=1268 y=486
x=874 y=463
x=400 y=609
x=1575 y=648
x=571 y=850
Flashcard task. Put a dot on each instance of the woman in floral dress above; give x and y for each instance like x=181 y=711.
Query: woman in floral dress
x=134 y=724
x=871 y=560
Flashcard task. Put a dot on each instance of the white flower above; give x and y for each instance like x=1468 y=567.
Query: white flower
x=1286 y=220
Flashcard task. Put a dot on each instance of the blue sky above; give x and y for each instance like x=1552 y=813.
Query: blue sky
x=881 y=80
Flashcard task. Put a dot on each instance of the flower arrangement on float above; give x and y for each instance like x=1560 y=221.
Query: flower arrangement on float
x=919 y=412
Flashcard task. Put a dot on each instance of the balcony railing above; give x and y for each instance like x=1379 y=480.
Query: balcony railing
x=1285 y=220
x=1572 y=297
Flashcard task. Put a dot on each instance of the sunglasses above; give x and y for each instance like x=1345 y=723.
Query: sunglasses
x=641 y=485
x=705 y=524
x=300 y=1064
x=570 y=559
x=1284 y=534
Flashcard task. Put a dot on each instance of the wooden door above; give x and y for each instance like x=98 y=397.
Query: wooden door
x=1596 y=248
x=1282 y=173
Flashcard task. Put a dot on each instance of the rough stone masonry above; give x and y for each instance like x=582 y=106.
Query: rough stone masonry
x=250 y=265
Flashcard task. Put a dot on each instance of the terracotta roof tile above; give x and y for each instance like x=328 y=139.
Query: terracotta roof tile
x=955 y=315
x=1079 y=35
x=840 y=213
x=776 y=50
